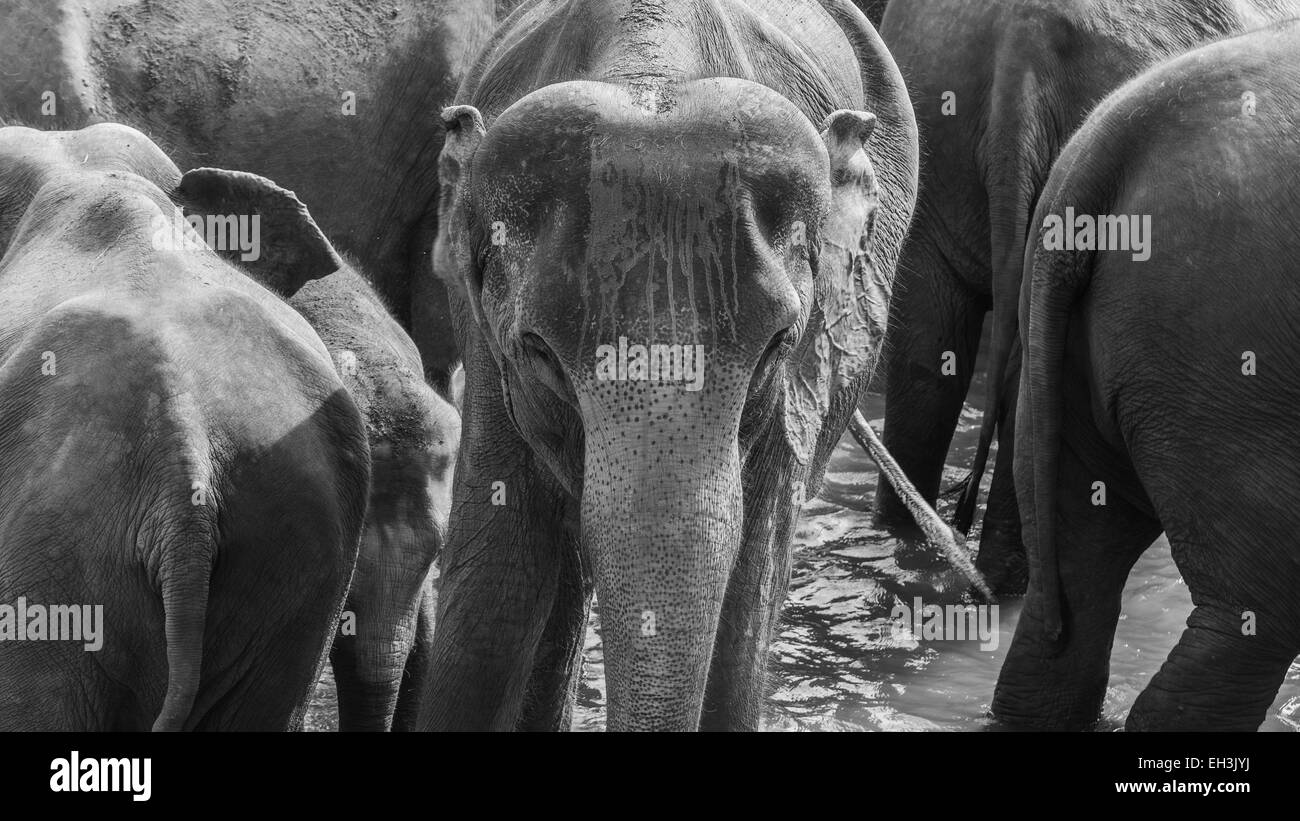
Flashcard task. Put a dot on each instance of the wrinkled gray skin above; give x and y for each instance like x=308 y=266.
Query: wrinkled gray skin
x=259 y=85
x=656 y=172
x=1134 y=378
x=192 y=462
x=413 y=435
x=1024 y=75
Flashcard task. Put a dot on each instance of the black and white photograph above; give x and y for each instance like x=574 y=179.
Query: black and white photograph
x=903 y=366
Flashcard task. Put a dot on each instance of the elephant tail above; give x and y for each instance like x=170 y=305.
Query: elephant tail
x=183 y=579
x=1057 y=279
x=1004 y=332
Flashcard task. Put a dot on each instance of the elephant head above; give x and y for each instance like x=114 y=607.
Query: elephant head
x=663 y=277
x=30 y=158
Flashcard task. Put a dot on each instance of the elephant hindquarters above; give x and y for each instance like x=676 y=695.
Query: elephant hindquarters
x=1060 y=683
x=291 y=526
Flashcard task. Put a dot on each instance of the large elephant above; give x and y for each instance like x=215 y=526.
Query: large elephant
x=999 y=86
x=175 y=448
x=669 y=231
x=337 y=101
x=413 y=434
x=1160 y=391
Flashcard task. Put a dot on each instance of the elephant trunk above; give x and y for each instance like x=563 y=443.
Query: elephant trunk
x=663 y=526
x=382 y=612
x=368 y=683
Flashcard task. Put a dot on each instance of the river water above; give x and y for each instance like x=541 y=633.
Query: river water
x=838 y=665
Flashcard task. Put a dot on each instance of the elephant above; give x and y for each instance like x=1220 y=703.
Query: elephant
x=999 y=86
x=413 y=434
x=177 y=454
x=1160 y=389
x=337 y=101
x=669 y=257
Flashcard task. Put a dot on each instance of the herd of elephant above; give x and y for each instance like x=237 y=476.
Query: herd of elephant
x=252 y=455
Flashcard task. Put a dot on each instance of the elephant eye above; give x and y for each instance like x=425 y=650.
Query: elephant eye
x=775 y=349
x=542 y=362
x=536 y=346
x=780 y=345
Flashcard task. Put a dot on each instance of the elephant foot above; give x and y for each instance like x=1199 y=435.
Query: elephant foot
x=1028 y=701
x=1053 y=684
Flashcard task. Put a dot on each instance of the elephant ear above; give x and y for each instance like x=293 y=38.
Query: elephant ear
x=454 y=259
x=282 y=247
x=850 y=310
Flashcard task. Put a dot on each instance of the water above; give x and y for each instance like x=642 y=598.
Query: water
x=838 y=666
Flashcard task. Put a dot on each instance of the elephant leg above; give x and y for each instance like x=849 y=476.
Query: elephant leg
x=416 y=675
x=553 y=686
x=1217 y=678
x=1060 y=685
x=1243 y=632
x=499 y=585
x=510 y=530
x=751 y=608
x=1002 y=551
x=934 y=331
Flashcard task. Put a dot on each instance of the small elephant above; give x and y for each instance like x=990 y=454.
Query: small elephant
x=176 y=450
x=414 y=434
x=999 y=85
x=670 y=259
x=1160 y=391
